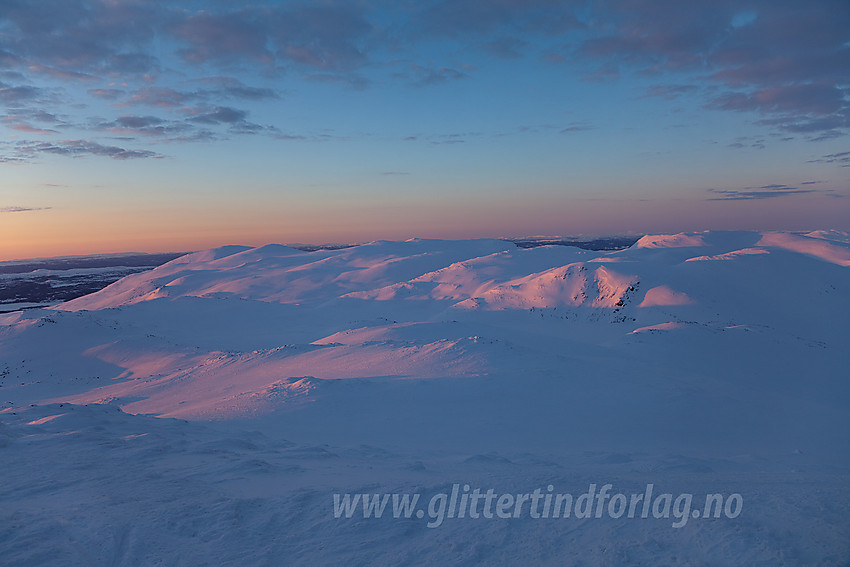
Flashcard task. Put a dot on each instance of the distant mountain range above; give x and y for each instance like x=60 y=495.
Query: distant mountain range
x=28 y=284
x=39 y=283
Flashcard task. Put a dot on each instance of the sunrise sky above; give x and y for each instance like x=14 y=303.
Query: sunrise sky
x=167 y=126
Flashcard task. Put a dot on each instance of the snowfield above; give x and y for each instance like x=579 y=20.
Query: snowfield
x=207 y=411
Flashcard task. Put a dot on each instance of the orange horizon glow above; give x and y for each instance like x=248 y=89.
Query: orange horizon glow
x=65 y=232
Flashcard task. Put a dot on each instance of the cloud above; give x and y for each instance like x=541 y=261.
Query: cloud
x=748 y=142
x=28 y=128
x=188 y=123
x=784 y=60
x=808 y=99
x=21 y=119
x=138 y=122
x=352 y=80
x=160 y=96
x=234 y=88
x=330 y=35
x=165 y=97
x=22 y=209
x=61 y=74
x=670 y=92
x=462 y=18
x=17 y=94
x=820 y=128
x=130 y=63
x=842 y=158
x=80 y=36
x=770 y=191
x=234 y=118
x=223 y=37
x=432 y=76
x=290 y=137
x=107 y=94
x=144 y=125
x=89 y=39
x=782 y=63
x=25 y=150
x=220 y=115
x=8 y=59
x=506 y=47
x=425 y=75
x=447 y=140
x=579 y=126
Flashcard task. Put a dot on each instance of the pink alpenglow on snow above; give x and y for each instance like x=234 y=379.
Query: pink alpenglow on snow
x=680 y=240
x=663 y=295
x=830 y=252
x=409 y=367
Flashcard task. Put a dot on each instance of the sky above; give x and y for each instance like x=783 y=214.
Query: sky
x=171 y=126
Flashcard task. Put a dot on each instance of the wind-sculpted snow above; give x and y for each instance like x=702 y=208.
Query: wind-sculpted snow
x=837 y=253
x=692 y=361
x=200 y=335
x=280 y=274
x=574 y=285
x=663 y=295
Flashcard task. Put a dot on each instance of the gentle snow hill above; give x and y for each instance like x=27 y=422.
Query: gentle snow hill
x=238 y=320
x=699 y=362
x=281 y=274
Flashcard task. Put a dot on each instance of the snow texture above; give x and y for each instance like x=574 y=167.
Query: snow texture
x=206 y=411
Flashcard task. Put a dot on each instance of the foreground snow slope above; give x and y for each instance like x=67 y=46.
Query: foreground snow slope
x=709 y=362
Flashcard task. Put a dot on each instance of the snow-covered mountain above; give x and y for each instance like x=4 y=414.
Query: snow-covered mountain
x=701 y=360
